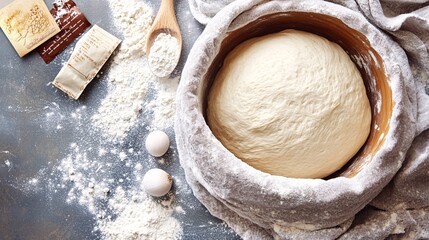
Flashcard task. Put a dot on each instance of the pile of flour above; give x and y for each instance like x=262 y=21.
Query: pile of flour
x=130 y=80
x=164 y=54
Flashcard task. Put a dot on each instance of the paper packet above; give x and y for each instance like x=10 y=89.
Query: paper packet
x=87 y=58
x=72 y=23
x=27 y=24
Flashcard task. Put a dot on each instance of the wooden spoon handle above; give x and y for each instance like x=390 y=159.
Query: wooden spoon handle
x=168 y=16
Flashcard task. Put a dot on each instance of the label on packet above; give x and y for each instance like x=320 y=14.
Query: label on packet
x=87 y=58
x=72 y=23
x=27 y=24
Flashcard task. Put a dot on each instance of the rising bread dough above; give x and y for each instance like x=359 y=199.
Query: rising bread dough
x=291 y=104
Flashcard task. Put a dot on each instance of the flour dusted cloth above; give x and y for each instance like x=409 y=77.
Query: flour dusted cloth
x=390 y=197
x=204 y=10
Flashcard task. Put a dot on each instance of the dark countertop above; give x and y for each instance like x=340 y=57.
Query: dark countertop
x=31 y=206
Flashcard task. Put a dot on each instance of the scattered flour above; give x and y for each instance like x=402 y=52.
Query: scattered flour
x=127 y=88
x=164 y=103
x=106 y=178
x=109 y=187
x=164 y=55
x=130 y=78
x=144 y=219
x=134 y=19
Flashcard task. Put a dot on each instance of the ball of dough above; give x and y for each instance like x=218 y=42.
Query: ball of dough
x=157 y=143
x=290 y=104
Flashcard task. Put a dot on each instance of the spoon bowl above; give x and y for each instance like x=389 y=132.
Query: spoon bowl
x=165 y=22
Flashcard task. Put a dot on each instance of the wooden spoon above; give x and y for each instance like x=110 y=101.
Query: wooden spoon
x=165 y=22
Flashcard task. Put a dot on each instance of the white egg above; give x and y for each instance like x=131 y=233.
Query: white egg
x=157 y=143
x=157 y=182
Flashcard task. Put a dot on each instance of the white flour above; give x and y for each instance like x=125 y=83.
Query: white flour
x=128 y=85
x=106 y=178
x=164 y=55
x=164 y=104
x=144 y=219
x=130 y=79
x=123 y=210
x=128 y=76
x=134 y=19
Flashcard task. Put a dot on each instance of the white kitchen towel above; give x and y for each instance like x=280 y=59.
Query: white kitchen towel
x=402 y=207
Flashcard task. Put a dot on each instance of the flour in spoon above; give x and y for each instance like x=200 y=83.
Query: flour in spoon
x=164 y=54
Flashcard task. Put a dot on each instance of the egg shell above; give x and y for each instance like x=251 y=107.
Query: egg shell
x=157 y=182
x=157 y=143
